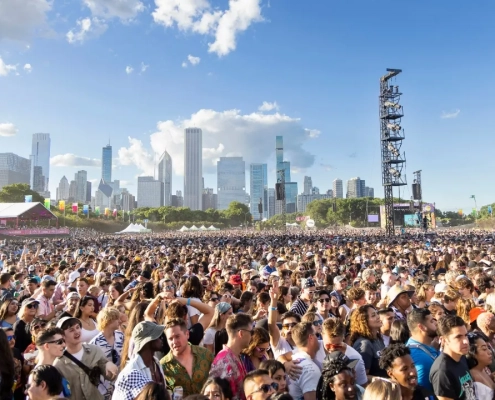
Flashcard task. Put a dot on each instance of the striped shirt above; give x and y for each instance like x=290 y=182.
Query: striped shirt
x=299 y=307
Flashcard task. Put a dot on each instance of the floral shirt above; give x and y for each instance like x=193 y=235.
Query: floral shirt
x=228 y=366
x=176 y=375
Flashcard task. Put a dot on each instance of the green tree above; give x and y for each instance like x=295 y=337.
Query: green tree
x=15 y=194
x=237 y=213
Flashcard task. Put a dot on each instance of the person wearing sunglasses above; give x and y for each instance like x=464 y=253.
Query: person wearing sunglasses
x=258 y=385
x=27 y=313
x=323 y=304
x=257 y=350
x=51 y=345
x=314 y=318
x=277 y=372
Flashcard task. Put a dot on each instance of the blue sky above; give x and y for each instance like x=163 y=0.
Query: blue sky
x=138 y=71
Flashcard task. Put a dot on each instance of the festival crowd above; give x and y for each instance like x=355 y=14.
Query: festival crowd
x=236 y=315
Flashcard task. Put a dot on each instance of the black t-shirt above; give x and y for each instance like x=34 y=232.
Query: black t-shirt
x=22 y=336
x=422 y=393
x=196 y=333
x=371 y=350
x=450 y=378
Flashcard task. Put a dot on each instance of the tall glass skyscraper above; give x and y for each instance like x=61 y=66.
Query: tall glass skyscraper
x=165 y=176
x=231 y=181
x=40 y=157
x=106 y=164
x=290 y=187
x=258 y=188
x=193 y=168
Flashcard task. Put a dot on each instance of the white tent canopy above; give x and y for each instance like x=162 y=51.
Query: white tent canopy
x=194 y=228
x=133 y=228
x=184 y=229
x=203 y=228
x=212 y=228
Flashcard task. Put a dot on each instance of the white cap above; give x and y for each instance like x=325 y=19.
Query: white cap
x=440 y=287
x=73 y=276
x=309 y=254
x=269 y=256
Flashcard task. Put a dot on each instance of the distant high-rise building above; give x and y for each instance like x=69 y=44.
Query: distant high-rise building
x=40 y=157
x=14 y=169
x=231 y=181
x=104 y=196
x=355 y=188
x=150 y=192
x=72 y=191
x=338 y=189
x=38 y=180
x=283 y=171
x=81 y=178
x=88 y=192
x=308 y=185
x=210 y=199
x=304 y=199
x=315 y=190
x=271 y=202
x=106 y=163
x=177 y=199
x=330 y=193
x=193 y=168
x=369 y=192
x=165 y=176
x=258 y=189
x=63 y=189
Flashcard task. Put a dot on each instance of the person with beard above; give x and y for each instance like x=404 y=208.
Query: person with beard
x=449 y=374
x=397 y=361
x=423 y=327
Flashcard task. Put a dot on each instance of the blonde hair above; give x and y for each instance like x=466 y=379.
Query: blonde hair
x=382 y=389
x=106 y=316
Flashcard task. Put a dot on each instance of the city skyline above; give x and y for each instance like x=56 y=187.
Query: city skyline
x=141 y=75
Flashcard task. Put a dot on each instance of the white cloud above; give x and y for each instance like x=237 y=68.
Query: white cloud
x=128 y=70
x=123 y=9
x=28 y=68
x=19 y=19
x=144 y=67
x=198 y=16
x=6 y=69
x=87 y=28
x=449 y=115
x=71 y=160
x=193 y=60
x=224 y=133
x=267 y=106
x=8 y=129
x=312 y=133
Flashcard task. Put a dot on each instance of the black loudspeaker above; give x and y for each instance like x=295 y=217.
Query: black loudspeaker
x=279 y=189
x=416 y=189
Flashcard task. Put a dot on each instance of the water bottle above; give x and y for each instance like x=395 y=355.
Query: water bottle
x=178 y=393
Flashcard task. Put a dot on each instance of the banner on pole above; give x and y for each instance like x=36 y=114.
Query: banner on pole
x=47 y=204
x=97 y=210
x=61 y=205
x=114 y=212
x=107 y=211
x=85 y=209
x=75 y=208
x=28 y=198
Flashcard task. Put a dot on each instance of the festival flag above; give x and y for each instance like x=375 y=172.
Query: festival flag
x=61 y=205
x=75 y=208
x=490 y=210
x=28 y=198
x=474 y=212
x=114 y=212
x=459 y=212
x=107 y=211
x=85 y=209
x=97 y=210
x=47 y=204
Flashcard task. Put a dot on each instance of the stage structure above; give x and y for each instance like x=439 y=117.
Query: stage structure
x=391 y=137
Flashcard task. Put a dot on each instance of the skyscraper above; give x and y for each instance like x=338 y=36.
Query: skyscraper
x=106 y=163
x=283 y=169
x=40 y=157
x=338 y=189
x=13 y=169
x=271 y=202
x=89 y=189
x=193 y=168
x=231 y=181
x=63 y=189
x=165 y=176
x=355 y=188
x=210 y=199
x=150 y=192
x=81 y=178
x=308 y=185
x=258 y=188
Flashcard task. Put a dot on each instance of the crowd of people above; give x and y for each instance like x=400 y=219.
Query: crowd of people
x=234 y=315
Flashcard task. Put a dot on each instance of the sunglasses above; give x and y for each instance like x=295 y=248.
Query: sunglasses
x=214 y=299
x=324 y=301
x=318 y=323
x=290 y=325
x=266 y=388
x=263 y=349
x=38 y=327
x=170 y=287
x=58 y=342
x=337 y=346
x=11 y=337
x=32 y=305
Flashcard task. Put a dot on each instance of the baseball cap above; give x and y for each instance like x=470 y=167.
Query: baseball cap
x=281 y=260
x=270 y=256
x=72 y=295
x=61 y=322
x=309 y=283
x=117 y=276
x=474 y=313
x=29 y=301
x=145 y=332
x=235 y=280
x=73 y=276
x=339 y=279
x=31 y=268
x=309 y=254
x=146 y=274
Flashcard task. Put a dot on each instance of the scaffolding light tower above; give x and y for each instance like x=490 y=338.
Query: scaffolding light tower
x=391 y=137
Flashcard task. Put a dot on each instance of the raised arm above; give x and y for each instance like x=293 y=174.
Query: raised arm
x=273 y=330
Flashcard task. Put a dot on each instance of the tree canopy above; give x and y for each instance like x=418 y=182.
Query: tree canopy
x=15 y=194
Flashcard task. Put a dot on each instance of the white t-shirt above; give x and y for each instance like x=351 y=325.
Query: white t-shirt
x=191 y=312
x=282 y=347
x=209 y=337
x=308 y=380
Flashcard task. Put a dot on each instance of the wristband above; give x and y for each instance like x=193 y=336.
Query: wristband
x=273 y=308
x=188 y=301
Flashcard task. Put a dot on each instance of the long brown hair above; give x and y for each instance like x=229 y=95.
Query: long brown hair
x=259 y=336
x=359 y=323
x=136 y=316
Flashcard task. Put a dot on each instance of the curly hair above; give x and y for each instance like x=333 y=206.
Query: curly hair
x=359 y=323
x=331 y=368
x=463 y=307
x=258 y=337
x=391 y=353
x=355 y=294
